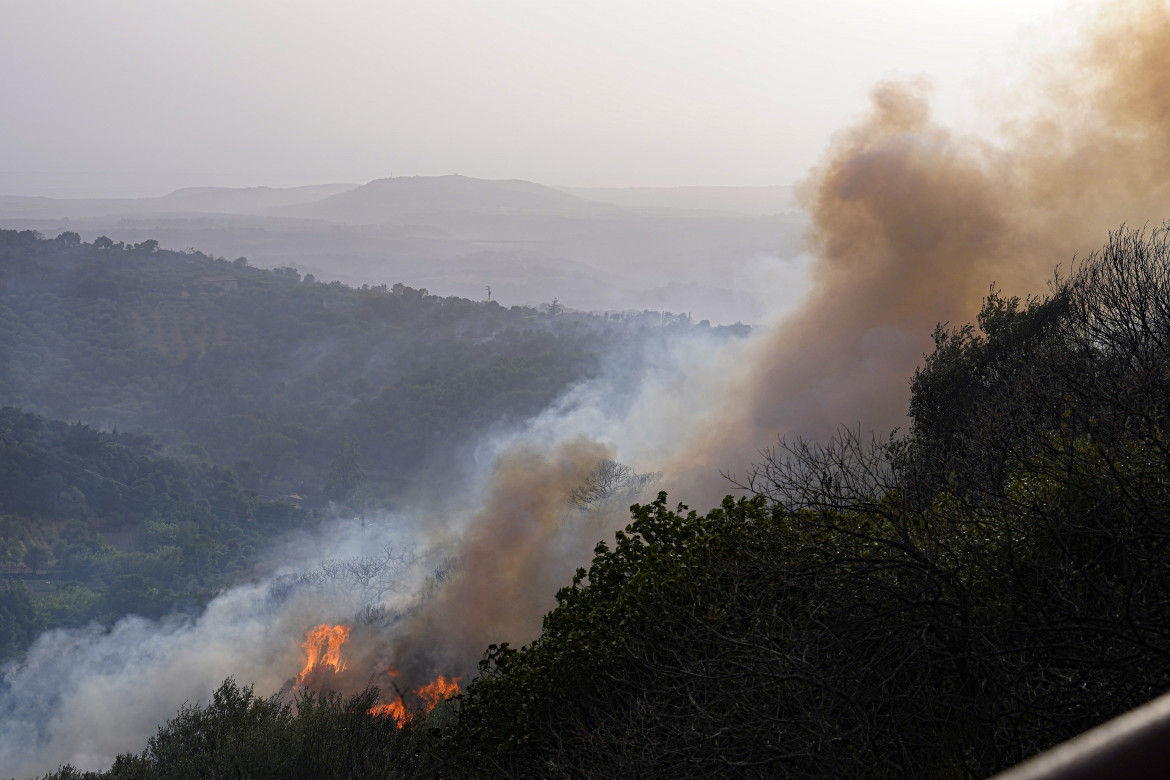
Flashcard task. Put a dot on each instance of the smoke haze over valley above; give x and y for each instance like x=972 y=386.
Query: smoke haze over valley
x=429 y=466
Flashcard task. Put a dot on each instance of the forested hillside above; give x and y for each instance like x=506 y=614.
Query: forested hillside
x=943 y=604
x=284 y=379
x=115 y=527
x=212 y=406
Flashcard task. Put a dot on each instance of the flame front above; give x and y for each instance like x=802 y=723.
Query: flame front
x=432 y=693
x=323 y=648
x=438 y=690
x=394 y=709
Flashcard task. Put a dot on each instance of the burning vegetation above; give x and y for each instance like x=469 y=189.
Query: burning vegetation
x=437 y=690
x=323 y=650
x=324 y=662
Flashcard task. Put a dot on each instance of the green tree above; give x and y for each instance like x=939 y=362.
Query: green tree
x=239 y=734
x=732 y=643
x=19 y=622
x=247 y=473
x=345 y=472
x=36 y=558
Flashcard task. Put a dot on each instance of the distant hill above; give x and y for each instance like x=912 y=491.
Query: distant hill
x=753 y=201
x=205 y=200
x=416 y=196
x=684 y=249
x=412 y=197
x=244 y=200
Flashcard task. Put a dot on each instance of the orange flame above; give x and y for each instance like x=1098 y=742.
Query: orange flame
x=432 y=693
x=438 y=690
x=394 y=709
x=323 y=648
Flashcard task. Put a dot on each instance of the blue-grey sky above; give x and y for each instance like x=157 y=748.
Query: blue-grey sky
x=137 y=97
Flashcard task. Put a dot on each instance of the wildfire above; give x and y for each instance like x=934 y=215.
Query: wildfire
x=432 y=693
x=394 y=709
x=439 y=689
x=323 y=648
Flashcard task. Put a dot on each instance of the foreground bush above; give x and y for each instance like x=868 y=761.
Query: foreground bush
x=240 y=735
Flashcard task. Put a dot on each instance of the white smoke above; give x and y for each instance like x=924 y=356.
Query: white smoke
x=82 y=696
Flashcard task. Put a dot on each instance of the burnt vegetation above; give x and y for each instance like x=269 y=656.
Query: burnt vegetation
x=940 y=603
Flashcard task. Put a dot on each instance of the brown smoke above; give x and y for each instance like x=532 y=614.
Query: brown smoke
x=520 y=548
x=911 y=223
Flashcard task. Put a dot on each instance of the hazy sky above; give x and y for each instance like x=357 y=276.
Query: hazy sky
x=137 y=97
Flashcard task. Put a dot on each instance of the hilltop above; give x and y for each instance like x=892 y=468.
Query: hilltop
x=415 y=197
x=189 y=200
x=700 y=250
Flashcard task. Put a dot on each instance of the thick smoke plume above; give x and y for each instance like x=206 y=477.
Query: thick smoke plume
x=510 y=561
x=911 y=222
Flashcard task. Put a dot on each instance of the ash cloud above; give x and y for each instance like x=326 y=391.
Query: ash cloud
x=911 y=222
